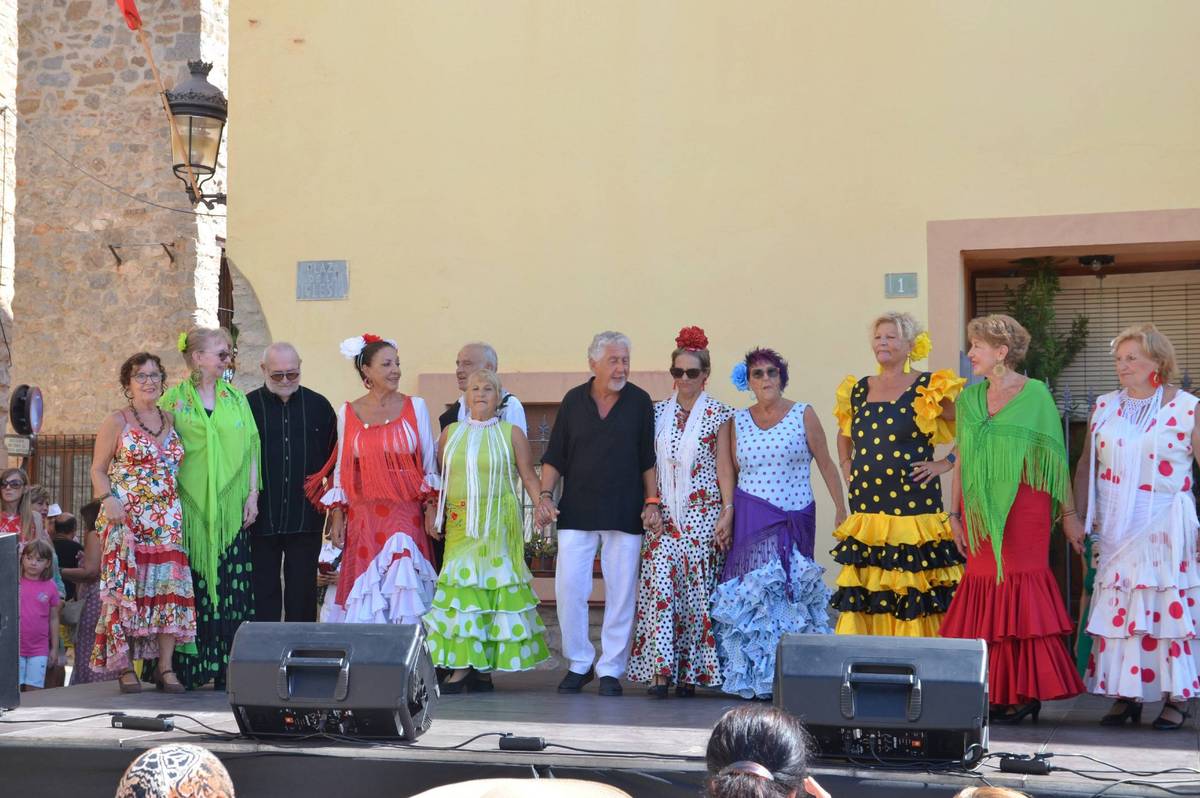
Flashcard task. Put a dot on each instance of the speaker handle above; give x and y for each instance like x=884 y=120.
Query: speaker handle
x=910 y=680
x=291 y=660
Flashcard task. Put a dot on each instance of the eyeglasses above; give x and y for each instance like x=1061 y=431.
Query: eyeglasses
x=768 y=373
x=142 y=379
x=284 y=376
x=12 y=483
x=223 y=355
x=691 y=374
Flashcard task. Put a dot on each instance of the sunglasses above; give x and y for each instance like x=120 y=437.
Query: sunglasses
x=223 y=355
x=768 y=373
x=691 y=374
x=284 y=376
x=12 y=483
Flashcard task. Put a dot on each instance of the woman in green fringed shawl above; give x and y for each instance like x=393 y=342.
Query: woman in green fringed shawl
x=218 y=487
x=1010 y=481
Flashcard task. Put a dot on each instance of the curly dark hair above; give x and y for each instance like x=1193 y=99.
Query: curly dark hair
x=368 y=354
x=764 y=355
x=135 y=362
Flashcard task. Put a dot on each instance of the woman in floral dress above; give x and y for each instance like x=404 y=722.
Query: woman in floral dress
x=147 y=604
x=673 y=639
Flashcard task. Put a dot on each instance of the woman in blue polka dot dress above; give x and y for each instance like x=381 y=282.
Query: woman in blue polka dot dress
x=484 y=615
x=770 y=585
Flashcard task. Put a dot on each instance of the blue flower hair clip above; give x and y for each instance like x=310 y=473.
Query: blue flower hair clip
x=738 y=377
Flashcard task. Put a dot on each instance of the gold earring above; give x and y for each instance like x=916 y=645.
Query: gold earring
x=999 y=370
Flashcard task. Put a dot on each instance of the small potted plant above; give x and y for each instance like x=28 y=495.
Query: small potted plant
x=540 y=551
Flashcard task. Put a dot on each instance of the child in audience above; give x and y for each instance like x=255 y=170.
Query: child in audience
x=39 y=605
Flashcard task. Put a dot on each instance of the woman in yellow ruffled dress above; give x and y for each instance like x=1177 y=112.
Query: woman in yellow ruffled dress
x=899 y=563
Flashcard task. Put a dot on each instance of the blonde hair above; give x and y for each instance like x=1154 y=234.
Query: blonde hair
x=907 y=326
x=197 y=337
x=999 y=329
x=990 y=792
x=32 y=523
x=488 y=376
x=1157 y=347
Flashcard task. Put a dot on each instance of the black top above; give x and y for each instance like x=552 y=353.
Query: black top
x=602 y=460
x=69 y=553
x=298 y=436
x=887 y=442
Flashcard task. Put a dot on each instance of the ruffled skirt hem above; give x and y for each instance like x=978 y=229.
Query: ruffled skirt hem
x=396 y=586
x=752 y=612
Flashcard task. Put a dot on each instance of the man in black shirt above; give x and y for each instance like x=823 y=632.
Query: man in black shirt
x=298 y=429
x=66 y=547
x=602 y=446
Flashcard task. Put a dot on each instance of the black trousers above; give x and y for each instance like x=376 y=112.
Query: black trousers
x=294 y=556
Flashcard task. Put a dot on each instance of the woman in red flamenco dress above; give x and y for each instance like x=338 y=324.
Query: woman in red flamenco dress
x=1010 y=478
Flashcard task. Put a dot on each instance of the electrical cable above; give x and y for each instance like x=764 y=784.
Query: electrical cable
x=64 y=720
x=109 y=186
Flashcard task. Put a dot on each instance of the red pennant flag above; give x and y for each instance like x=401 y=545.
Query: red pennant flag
x=132 y=18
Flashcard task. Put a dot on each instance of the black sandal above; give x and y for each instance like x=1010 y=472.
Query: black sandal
x=1162 y=724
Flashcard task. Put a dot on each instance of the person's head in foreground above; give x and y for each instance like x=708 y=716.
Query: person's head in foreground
x=525 y=788
x=990 y=792
x=176 y=770
x=759 y=752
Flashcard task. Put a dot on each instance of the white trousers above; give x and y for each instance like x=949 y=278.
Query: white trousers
x=619 y=559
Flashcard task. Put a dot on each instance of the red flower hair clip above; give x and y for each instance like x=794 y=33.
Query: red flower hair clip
x=691 y=338
x=368 y=338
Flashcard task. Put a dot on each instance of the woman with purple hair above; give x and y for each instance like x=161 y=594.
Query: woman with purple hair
x=770 y=585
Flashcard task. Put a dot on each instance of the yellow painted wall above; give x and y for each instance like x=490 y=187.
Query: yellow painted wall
x=533 y=172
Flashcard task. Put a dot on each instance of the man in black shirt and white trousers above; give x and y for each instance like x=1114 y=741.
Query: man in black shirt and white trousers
x=298 y=430
x=602 y=446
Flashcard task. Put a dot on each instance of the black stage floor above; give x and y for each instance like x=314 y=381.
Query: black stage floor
x=662 y=743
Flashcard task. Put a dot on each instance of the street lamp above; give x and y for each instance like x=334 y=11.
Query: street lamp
x=200 y=111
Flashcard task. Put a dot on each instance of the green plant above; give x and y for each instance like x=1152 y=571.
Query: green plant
x=1051 y=347
x=541 y=544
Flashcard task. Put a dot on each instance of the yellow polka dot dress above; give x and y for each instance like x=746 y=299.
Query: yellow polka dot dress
x=899 y=564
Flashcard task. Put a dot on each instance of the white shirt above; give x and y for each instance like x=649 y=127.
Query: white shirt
x=512 y=412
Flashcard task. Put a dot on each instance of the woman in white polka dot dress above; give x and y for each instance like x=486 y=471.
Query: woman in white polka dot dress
x=770 y=585
x=1137 y=465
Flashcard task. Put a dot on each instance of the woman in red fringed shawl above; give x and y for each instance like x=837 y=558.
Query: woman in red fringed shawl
x=1010 y=480
x=380 y=485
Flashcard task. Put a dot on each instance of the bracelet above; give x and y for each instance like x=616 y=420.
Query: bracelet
x=727 y=507
x=654 y=500
x=549 y=493
x=956 y=516
x=950 y=458
x=1071 y=511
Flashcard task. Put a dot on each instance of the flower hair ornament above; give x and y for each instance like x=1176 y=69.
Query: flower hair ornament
x=692 y=338
x=922 y=346
x=352 y=348
x=181 y=342
x=739 y=376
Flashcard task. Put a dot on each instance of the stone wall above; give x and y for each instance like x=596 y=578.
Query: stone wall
x=100 y=275
x=8 y=180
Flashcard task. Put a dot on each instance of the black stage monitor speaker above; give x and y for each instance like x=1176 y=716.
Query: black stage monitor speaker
x=354 y=680
x=10 y=622
x=890 y=699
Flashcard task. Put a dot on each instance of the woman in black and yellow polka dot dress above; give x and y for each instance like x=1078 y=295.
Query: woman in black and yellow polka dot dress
x=899 y=563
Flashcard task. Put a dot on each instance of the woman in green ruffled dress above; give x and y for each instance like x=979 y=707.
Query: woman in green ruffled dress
x=484 y=616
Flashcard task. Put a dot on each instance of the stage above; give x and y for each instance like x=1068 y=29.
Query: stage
x=652 y=748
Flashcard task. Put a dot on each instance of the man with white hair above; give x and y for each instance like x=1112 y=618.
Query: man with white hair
x=298 y=430
x=471 y=358
x=602 y=446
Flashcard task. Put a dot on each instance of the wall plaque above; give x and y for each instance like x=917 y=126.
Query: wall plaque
x=322 y=279
x=900 y=284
